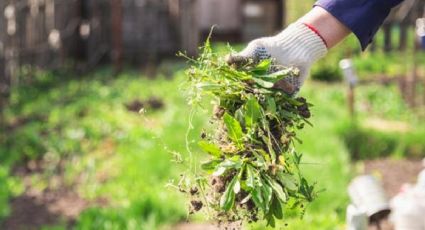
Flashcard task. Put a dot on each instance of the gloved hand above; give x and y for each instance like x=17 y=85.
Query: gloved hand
x=297 y=46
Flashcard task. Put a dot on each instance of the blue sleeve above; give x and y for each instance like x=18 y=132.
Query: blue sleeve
x=362 y=17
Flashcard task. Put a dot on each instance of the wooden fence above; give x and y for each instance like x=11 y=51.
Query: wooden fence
x=82 y=33
x=403 y=19
x=36 y=32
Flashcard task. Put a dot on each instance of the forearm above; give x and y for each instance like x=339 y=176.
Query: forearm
x=332 y=30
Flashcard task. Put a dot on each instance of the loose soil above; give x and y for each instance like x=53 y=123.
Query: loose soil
x=59 y=203
x=152 y=103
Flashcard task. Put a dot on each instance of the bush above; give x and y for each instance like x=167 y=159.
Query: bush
x=365 y=143
x=326 y=73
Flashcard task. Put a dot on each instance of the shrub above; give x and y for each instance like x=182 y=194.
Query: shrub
x=365 y=143
x=326 y=73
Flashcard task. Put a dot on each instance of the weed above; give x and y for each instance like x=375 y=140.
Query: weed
x=253 y=172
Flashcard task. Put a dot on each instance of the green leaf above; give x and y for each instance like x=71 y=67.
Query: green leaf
x=227 y=164
x=276 y=76
x=307 y=190
x=250 y=179
x=210 y=165
x=297 y=158
x=257 y=197
x=267 y=193
x=270 y=148
x=271 y=105
x=209 y=86
x=239 y=115
x=231 y=163
x=264 y=64
x=219 y=171
x=228 y=198
x=253 y=112
x=276 y=208
x=262 y=158
x=237 y=187
x=293 y=101
x=234 y=129
x=277 y=188
x=262 y=67
x=210 y=148
x=270 y=220
x=263 y=83
x=288 y=181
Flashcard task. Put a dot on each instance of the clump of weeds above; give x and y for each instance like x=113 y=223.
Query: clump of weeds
x=253 y=171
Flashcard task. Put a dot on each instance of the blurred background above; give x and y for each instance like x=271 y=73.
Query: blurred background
x=75 y=153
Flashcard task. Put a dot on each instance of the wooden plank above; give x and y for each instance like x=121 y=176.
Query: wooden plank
x=189 y=28
x=282 y=14
x=3 y=82
x=404 y=26
x=387 y=37
x=117 y=45
x=99 y=41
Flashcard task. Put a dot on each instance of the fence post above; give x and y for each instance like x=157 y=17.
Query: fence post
x=189 y=33
x=387 y=37
x=2 y=61
x=282 y=13
x=351 y=78
x=372 y=47
x=117 y=46
x=404 y=25
x=351 y=101
x=11 y=58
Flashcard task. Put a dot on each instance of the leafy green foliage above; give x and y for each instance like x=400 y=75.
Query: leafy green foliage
x=367 y=143
x=252 y=152
x=327 y=73
x=234 y=129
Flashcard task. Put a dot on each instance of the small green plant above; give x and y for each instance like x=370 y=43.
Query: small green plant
x=326 y=73
x=253 y=170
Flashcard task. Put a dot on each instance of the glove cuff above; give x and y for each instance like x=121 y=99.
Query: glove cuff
x=305 y=42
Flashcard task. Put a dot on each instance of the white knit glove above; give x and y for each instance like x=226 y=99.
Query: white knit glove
x=297 y=46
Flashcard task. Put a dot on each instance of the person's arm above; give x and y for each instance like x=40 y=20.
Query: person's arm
x=309 y=38
x=299 y=45
x=362 y=17
x=332 y=30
